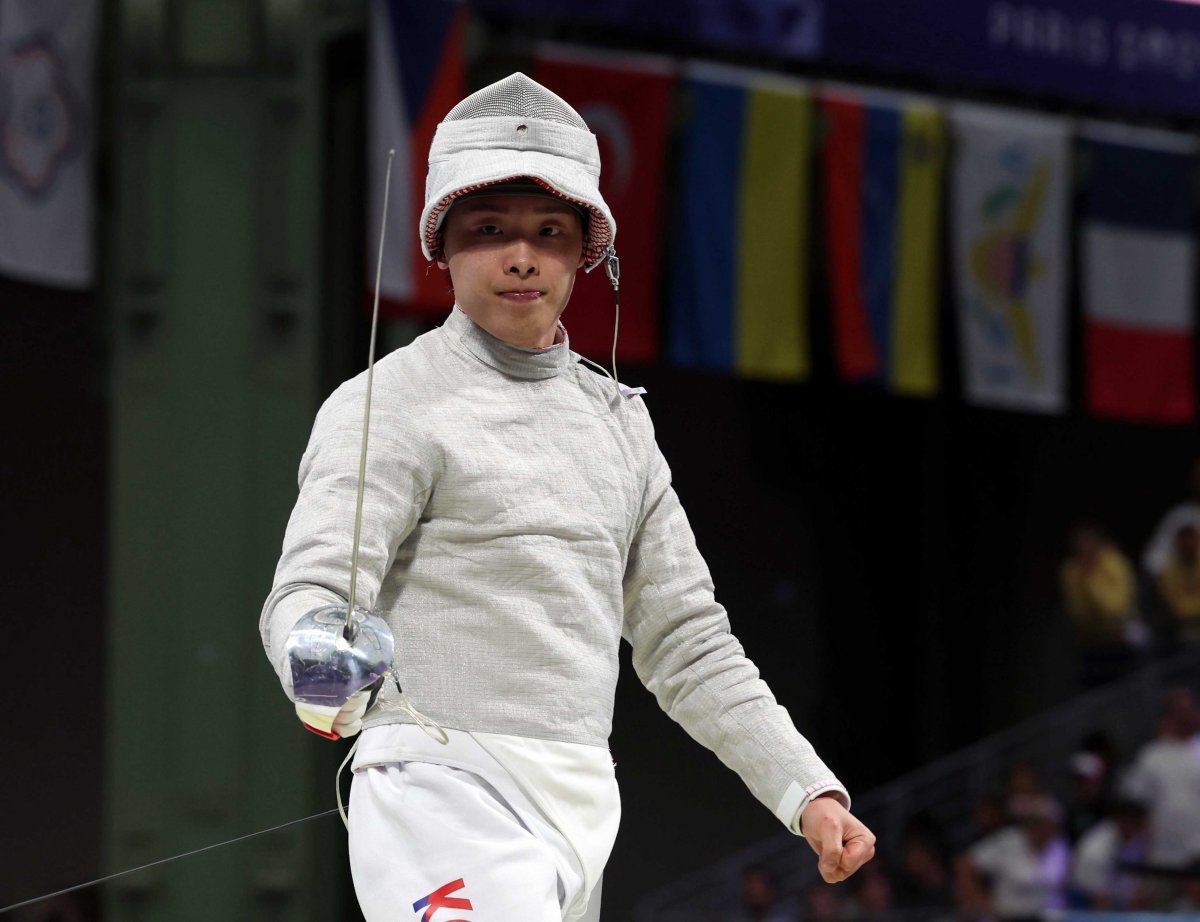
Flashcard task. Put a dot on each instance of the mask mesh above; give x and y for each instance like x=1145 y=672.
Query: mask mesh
x=516 y=96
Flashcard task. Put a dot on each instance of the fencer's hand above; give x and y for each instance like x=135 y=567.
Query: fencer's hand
x=842 y=843
x=336 y=723
x=349 y=719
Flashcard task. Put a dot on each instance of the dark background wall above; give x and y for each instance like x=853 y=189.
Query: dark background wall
x=53 y=466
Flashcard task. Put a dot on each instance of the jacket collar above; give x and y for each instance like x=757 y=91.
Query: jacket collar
x=514 y=361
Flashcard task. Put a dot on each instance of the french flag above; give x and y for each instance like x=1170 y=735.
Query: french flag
x=1138 y=265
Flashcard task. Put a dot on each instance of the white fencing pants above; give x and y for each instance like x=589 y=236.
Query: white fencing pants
x=434 y=843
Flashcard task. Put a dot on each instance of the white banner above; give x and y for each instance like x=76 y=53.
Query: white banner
x=47 y=140
x=1011 y=258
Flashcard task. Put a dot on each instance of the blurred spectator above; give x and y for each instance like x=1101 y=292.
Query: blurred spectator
x=1099 y=743
x=872 y=891
x=1189 y=898
x=1019 y=871
x=1024 y=781
x=1098 y=584
x=1179 y=584
x=1158 y=550
x=823 y=903
x=923 y=879
x=1099 y=593
x=988 y=815
x=760 y=897
x=1165 y=776
x=1088 y=803
x=1097 y=879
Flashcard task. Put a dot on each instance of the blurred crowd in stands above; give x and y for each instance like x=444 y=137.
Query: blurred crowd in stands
x=1126 y=838
x=1120 y=618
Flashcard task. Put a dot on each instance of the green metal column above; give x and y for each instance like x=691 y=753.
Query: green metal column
x=214 y=245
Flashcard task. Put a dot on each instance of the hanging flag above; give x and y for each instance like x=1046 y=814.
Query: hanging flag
x=1138 y=273
x=882 y=167
x=738 y=299
x=47 y=141
x=417 y=75
x=626 y=103
x=1011 y=181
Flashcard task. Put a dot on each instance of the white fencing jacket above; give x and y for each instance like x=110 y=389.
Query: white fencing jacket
x=518 y=521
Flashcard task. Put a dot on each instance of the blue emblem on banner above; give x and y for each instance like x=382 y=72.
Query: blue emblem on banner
x=39 y=126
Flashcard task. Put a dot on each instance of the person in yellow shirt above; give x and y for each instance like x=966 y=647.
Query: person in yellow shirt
x=1098 y=585
x=1179 y=584
x=1099 y=590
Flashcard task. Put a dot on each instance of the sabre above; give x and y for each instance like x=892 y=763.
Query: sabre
x=362 y=456
x=161 y=861
x=332 y=654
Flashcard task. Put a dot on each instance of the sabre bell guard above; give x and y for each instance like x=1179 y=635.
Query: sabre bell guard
x=327 y=666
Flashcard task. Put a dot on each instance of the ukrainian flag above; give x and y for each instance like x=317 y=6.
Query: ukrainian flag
x=738 y=300
x=882 y=171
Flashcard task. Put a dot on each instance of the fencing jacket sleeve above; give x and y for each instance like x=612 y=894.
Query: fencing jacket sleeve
x=685 y=654
x=314 y=568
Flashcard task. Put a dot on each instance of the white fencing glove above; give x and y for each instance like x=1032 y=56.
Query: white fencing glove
x=333 y=675
x=337 y=723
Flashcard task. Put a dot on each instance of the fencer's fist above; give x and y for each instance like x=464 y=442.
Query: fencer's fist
x=842 y=843
x=332 y=666
x=336 y=723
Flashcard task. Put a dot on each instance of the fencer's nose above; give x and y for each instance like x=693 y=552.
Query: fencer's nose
x=521 y=261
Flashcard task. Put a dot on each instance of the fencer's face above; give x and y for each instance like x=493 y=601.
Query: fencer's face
x=512 y=262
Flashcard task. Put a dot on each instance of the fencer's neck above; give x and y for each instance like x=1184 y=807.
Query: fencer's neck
x=514 y=361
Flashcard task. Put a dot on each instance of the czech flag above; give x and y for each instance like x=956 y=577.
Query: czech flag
x=417 y=75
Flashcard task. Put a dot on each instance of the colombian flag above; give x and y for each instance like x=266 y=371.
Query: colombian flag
x=417 y=75
x=739 y=272
x=882 y=176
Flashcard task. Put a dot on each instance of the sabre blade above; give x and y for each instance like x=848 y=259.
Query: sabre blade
x=348 y=632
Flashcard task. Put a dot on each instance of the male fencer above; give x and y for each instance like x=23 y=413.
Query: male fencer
x=518 y=520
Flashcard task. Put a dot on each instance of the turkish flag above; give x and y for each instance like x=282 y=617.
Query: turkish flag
x=626 y=103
